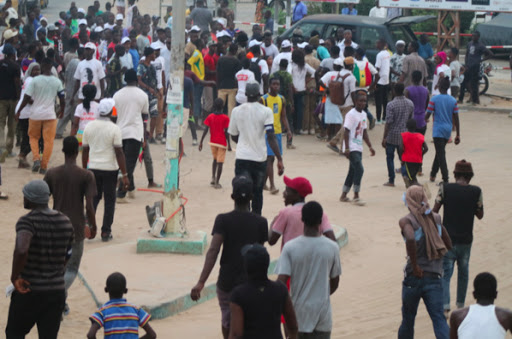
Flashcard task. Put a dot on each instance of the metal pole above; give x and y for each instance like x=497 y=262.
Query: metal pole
x=172 y=199
x=288 y=13
x=276 y=17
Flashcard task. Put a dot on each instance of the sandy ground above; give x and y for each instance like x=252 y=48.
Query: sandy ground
x=367 y=303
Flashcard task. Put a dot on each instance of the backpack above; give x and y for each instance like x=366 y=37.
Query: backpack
x=337 y=91
x=255 y=68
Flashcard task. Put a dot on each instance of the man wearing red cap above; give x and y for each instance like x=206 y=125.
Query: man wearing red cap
x=288 y=222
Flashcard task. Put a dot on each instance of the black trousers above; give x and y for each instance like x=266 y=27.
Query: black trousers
x=43 y=309
x=131 y=149
x=106 y=182
x=381 y=100
x=471 y=82
x=440 y=159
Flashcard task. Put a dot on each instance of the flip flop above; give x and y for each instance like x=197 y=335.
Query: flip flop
x=3 y=196
x=358 y=202
x=274 y=191
x=346 y=199
x=333 y=148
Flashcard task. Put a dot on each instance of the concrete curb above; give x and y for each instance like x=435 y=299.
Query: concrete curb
x=486 y=109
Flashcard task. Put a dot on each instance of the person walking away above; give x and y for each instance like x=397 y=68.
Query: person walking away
x=412 y=148
x=131 y=103
x=445 y=114
x=227 y=68
x=218 y=123
x=456 y=70
x=300 y=10
x=400 y=109
x=483 y=319
x=86 y=112
x=117 y=315
x=41 y=93
x=44 y=240
x=249 y=125
x=413 y=62
x=115 y=71
x=232 y=231
x=382 y=79
x=243 y=77
x=426 y=241
x=476 y=52
x=90 y=71
x=103 y=155
x=10 y=88
x=211 y=58
x=312 y=264
x=277 y=104
x=286 y=53
x=397 y=62
x=461 y=202
x=442 y=71
x=299 y=71
x=148 y=82
x=356 y=130
x=259 y=66
x=257 y=305
x=70 y=185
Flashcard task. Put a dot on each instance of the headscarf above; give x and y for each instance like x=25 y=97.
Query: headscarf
x=442 y=55
x=417 y=203
x=28 y=73
x=37 y=192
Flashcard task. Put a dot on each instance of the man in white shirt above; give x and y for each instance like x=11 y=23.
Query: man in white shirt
x=126 y=60
x=249 y=124
x=131 y=103
x=286 y=53
x=244 y=76
x=256 y=51
x=268 y=46
x=159 y=65
x=383 y=65
x=378 y=12
x=347 y=41
x=90 y=72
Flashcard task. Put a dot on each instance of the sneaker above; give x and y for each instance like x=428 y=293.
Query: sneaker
x=290 y=147
x=194 y=142
x=43 y=171
x=333 y=148
x=36 y=166
x=389 y=184
x=106 y=237
x=162 y=141
x=23 y=163
x=152 y=141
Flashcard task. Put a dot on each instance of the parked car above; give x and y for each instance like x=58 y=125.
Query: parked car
x=366 y=30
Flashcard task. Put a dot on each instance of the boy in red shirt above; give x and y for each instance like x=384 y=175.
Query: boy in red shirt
x=413 y=148
x=218 y=123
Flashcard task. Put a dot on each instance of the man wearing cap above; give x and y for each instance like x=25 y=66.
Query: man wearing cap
x=227 y=84
x=44 y=239
x=82 y=27
x=288 y=223
x=9 y=37
x=286 y=53
x=10 y=86
x=120 y=6
x=201 y=16
x=103 y=155
x=461 y=202
x=232 y=231
x=90 y=72
x=70 y=185
x=126 y=59
x=312 y=264
x=248 y=126
x=396 y=62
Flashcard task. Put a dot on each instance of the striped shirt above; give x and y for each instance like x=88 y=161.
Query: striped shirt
x=121 y=320
x=52 y=236
x=398 y=111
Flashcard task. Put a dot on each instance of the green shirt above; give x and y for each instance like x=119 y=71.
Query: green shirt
x=286 y=81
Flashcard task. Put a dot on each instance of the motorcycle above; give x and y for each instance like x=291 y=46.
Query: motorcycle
x=483 y=77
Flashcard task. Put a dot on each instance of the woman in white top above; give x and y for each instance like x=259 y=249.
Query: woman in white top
x=299 y=71
x=442 y=71
x=86 y=112
x=34 y=69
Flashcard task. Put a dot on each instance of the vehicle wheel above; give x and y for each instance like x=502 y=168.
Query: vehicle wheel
x=483 y=86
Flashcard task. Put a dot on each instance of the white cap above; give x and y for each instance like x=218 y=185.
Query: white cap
x=254 y=43
x=125 y=40
x=302 y=45
x=90 y=45
x=321 y=42
x=195 y=28
x=82 y=22
x=106 y=106
x=286 y=44
x=157 y=45
x=338 y=61
x=119 y=16
x=222 y=21
x=9 y=34
x=400 y=42
x=44 y=19
x=98 y=29
x=222 y=34
x=81 y=10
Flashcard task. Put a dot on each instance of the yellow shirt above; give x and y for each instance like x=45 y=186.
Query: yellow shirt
x=275 y=103
x=196 y=63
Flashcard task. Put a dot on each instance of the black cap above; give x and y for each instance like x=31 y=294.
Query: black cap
x=242 y=187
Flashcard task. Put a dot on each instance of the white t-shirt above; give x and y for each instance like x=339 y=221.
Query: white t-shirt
x=86 y=116
x=243 y=77
x=380 y=12
x=383 y=64
x=166 y=55
x=447 y=73
x=102 y=136
x=126 y=61
x=25 y=112
x=455 y=66
x=43 y=90
x=89 y=72
x=311 y=262
x=356 y=122
x=299 y=76
x=264 y=70
x=129 y=16
x=159 y=68
x=349 y=84
x=277 y=60
x=250 y=122
x=120 y=3
x=131 y=103
x=342 y=46
x=270 y=51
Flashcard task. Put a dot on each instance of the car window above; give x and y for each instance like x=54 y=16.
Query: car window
x=400 y=33
x=368 y=37
x=332 y=31
x=308 y=27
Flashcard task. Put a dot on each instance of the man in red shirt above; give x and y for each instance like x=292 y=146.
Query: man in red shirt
x=412 y=149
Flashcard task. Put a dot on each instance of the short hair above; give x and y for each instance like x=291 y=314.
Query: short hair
x=312 y=214
x=349 y=51
x=444 y=83
x=267 y=34
x=455 y=51
x=411 y=124
x=70 y=145
x=119 y=48
x=360 y=51
x=218 y=104
x=283 y=63
x=274 y=78
x=486 y=286
x=399 y=88
x=335 y=50
x=417 y=76
x=46 y=62
x=347 y=31
x=80 y=51
x=314 y=33
x=360 y=93
x=256 y=49
x=308 y=49
x=246 y=63
x=148 y=51
x=74 y=43
x=415 y=45
x=160 y=30
x=381 y=39
x=116 y=284
x=233 y=48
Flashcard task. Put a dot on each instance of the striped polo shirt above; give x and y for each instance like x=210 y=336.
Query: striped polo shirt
x=52 y=237
x=121 y=320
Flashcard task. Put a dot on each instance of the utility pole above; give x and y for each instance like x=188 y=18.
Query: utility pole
x=276 y=17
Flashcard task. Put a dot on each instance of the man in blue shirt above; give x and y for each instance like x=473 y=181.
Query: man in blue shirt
x=299 y=12
x=426 y=52
x=350 y=10
x=446 y=113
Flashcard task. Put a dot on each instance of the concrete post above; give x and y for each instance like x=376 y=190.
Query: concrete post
x=288 y=14
x=276 y=16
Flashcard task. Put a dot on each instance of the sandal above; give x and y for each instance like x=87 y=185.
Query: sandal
x=358 y=202
x=3 y=196
x=346 y=199
x=274 y=191
x=333 y=148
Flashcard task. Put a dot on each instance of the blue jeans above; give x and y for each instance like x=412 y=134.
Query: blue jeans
x=390 y=159
x=298 y=102
x=459 y=253
x=256 y=171
x=198 y=94
x=431 y=291
x=355 y=172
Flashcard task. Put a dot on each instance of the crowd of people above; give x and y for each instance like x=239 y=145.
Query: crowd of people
x=108 y=73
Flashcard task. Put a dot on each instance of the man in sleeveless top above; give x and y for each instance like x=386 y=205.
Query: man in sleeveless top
x=483 y=319
x=426 y=242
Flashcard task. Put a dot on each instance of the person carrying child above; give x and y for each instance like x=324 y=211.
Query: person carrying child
x=412 y=149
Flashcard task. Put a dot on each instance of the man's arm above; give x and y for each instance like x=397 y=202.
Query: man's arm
x=424 y=148
x=264 y=78
x=284 y=122
x=62 y=105
x=209 y=263
x=446 y=238
x=456 y=121
x=273 y=237
x=89 y=206
x=456 y=319
x=17 y=86
x=237 y=322
x=487 y=55
x=410 y=245
x=330 y=235
x=75 y=91
x=19 y=260
x=290 y=319
x=95 y=327
x=150 y=333
x=26 y=100
x=272 y=141
x=121 y=161
x=366 y=139
x=333 y=284
x=85 y=156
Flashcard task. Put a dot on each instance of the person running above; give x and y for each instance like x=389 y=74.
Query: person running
x=85 y=112
x=426 y=241
x=44 y=240
x=118 y=317
x=483 y=319
x=312 y=264
x=461 y=203
x=356 y=130
x=218 y=123
x=412 y=148
x=445 y=112
x=257 y=305
x=70 y=185
x=277 y=104
x=232 y=231
x=400 y=109
x=103 y=155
